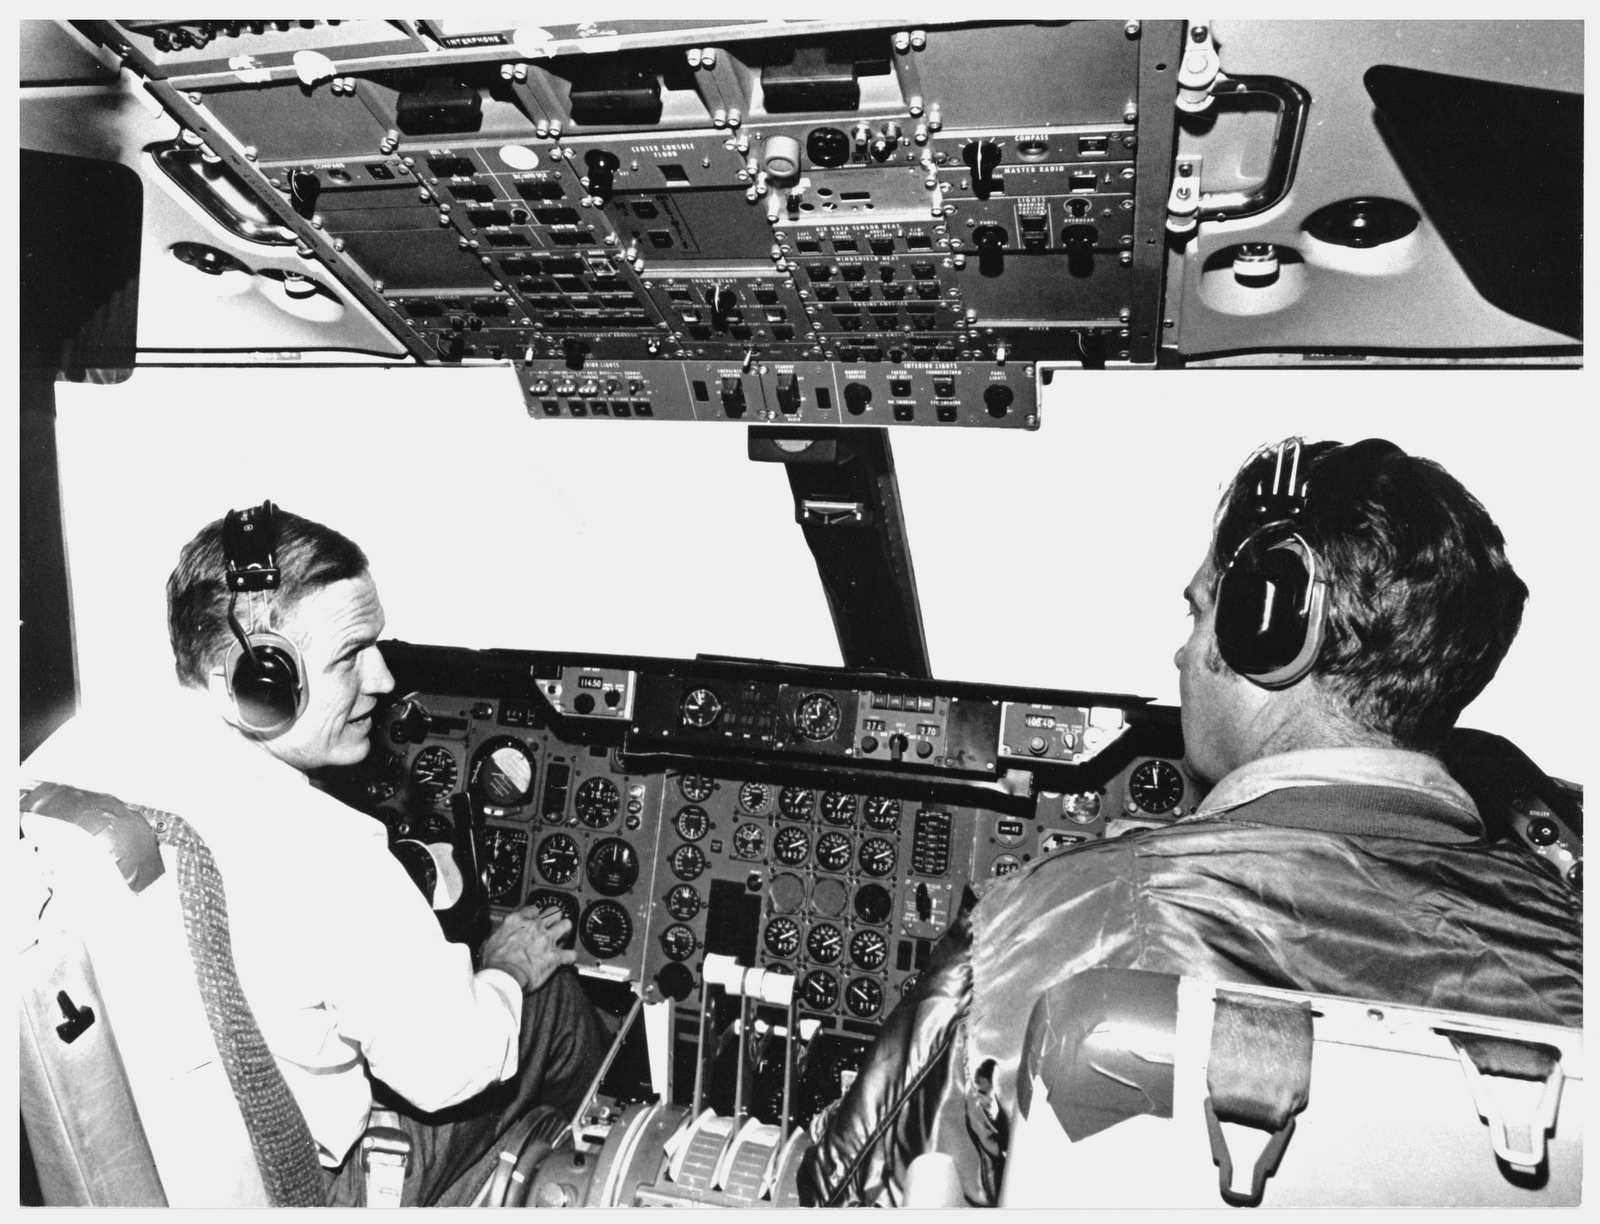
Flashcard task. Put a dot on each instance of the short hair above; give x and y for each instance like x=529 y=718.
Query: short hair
x=1422 y=602
x=310 y=556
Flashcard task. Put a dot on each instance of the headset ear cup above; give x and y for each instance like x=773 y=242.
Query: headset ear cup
x=1271 y=608
x=268 y=692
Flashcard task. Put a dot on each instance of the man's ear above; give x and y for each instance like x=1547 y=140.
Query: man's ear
x=221 y=699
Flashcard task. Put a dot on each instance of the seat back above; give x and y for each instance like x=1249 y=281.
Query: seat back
x=123 y=1094
x=1402 y=1106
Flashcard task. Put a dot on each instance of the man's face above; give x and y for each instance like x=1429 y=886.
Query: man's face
x=1220 y=707
x=337 y=629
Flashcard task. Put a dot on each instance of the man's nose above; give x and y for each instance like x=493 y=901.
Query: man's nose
x=379 y=678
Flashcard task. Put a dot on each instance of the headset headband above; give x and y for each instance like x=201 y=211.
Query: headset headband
x=249 y=542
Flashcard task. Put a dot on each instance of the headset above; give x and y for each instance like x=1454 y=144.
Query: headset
x=263 y=669
x=1272 y=600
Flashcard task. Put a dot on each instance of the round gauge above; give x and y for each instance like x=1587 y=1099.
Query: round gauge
x=874 y=903
x=398 y=824
x=838 y=808
x=1156 y=787
x=696 y=788
x=505 y=851
x=678 y=942
x=557 y=859
x=791 y=846
x=829 y=896
x=605 y=929
x=419 y=865
x=700 y=708
x=1082 y=808
x=597 y=802
x=820 y=990
x=782 y=937
x=612 y=866
x=882 y=814
x=683 y=903
x=817 y=717
x=749 y=841
x=834 y=851
x=385 y=776
x=786 y=893
x=796 y=802
x=754 y=797
x=868 y=949
x=430 y=827
x=910 y=984
x=1005 y=864
x=864 y=997
x=502 y=773
x=687 y=862
x=433 y=774
x=877 y=856
x=824 y=943
x=692 y=823
x=550 y=898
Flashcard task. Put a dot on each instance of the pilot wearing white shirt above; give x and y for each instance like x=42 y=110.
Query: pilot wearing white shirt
x=339 y=955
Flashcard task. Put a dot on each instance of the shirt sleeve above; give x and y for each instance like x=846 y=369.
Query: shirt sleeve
x=430 y=1028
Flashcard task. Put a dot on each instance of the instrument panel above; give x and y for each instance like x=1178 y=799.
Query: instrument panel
x=783 y=828
x=824 y=824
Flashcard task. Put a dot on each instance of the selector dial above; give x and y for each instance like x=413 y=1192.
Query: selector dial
x=827 y=147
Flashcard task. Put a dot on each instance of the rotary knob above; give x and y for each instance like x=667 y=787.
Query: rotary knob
x=780 y=157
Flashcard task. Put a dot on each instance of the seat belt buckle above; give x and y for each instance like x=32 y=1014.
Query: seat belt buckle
x=385 y=1157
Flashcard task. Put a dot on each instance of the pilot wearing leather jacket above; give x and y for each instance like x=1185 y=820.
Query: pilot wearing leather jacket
x=1353 y=601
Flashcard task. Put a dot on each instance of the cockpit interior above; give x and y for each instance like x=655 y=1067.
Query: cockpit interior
x=461 y=288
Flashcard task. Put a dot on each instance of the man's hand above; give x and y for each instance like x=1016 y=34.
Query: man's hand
x=527 y=946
